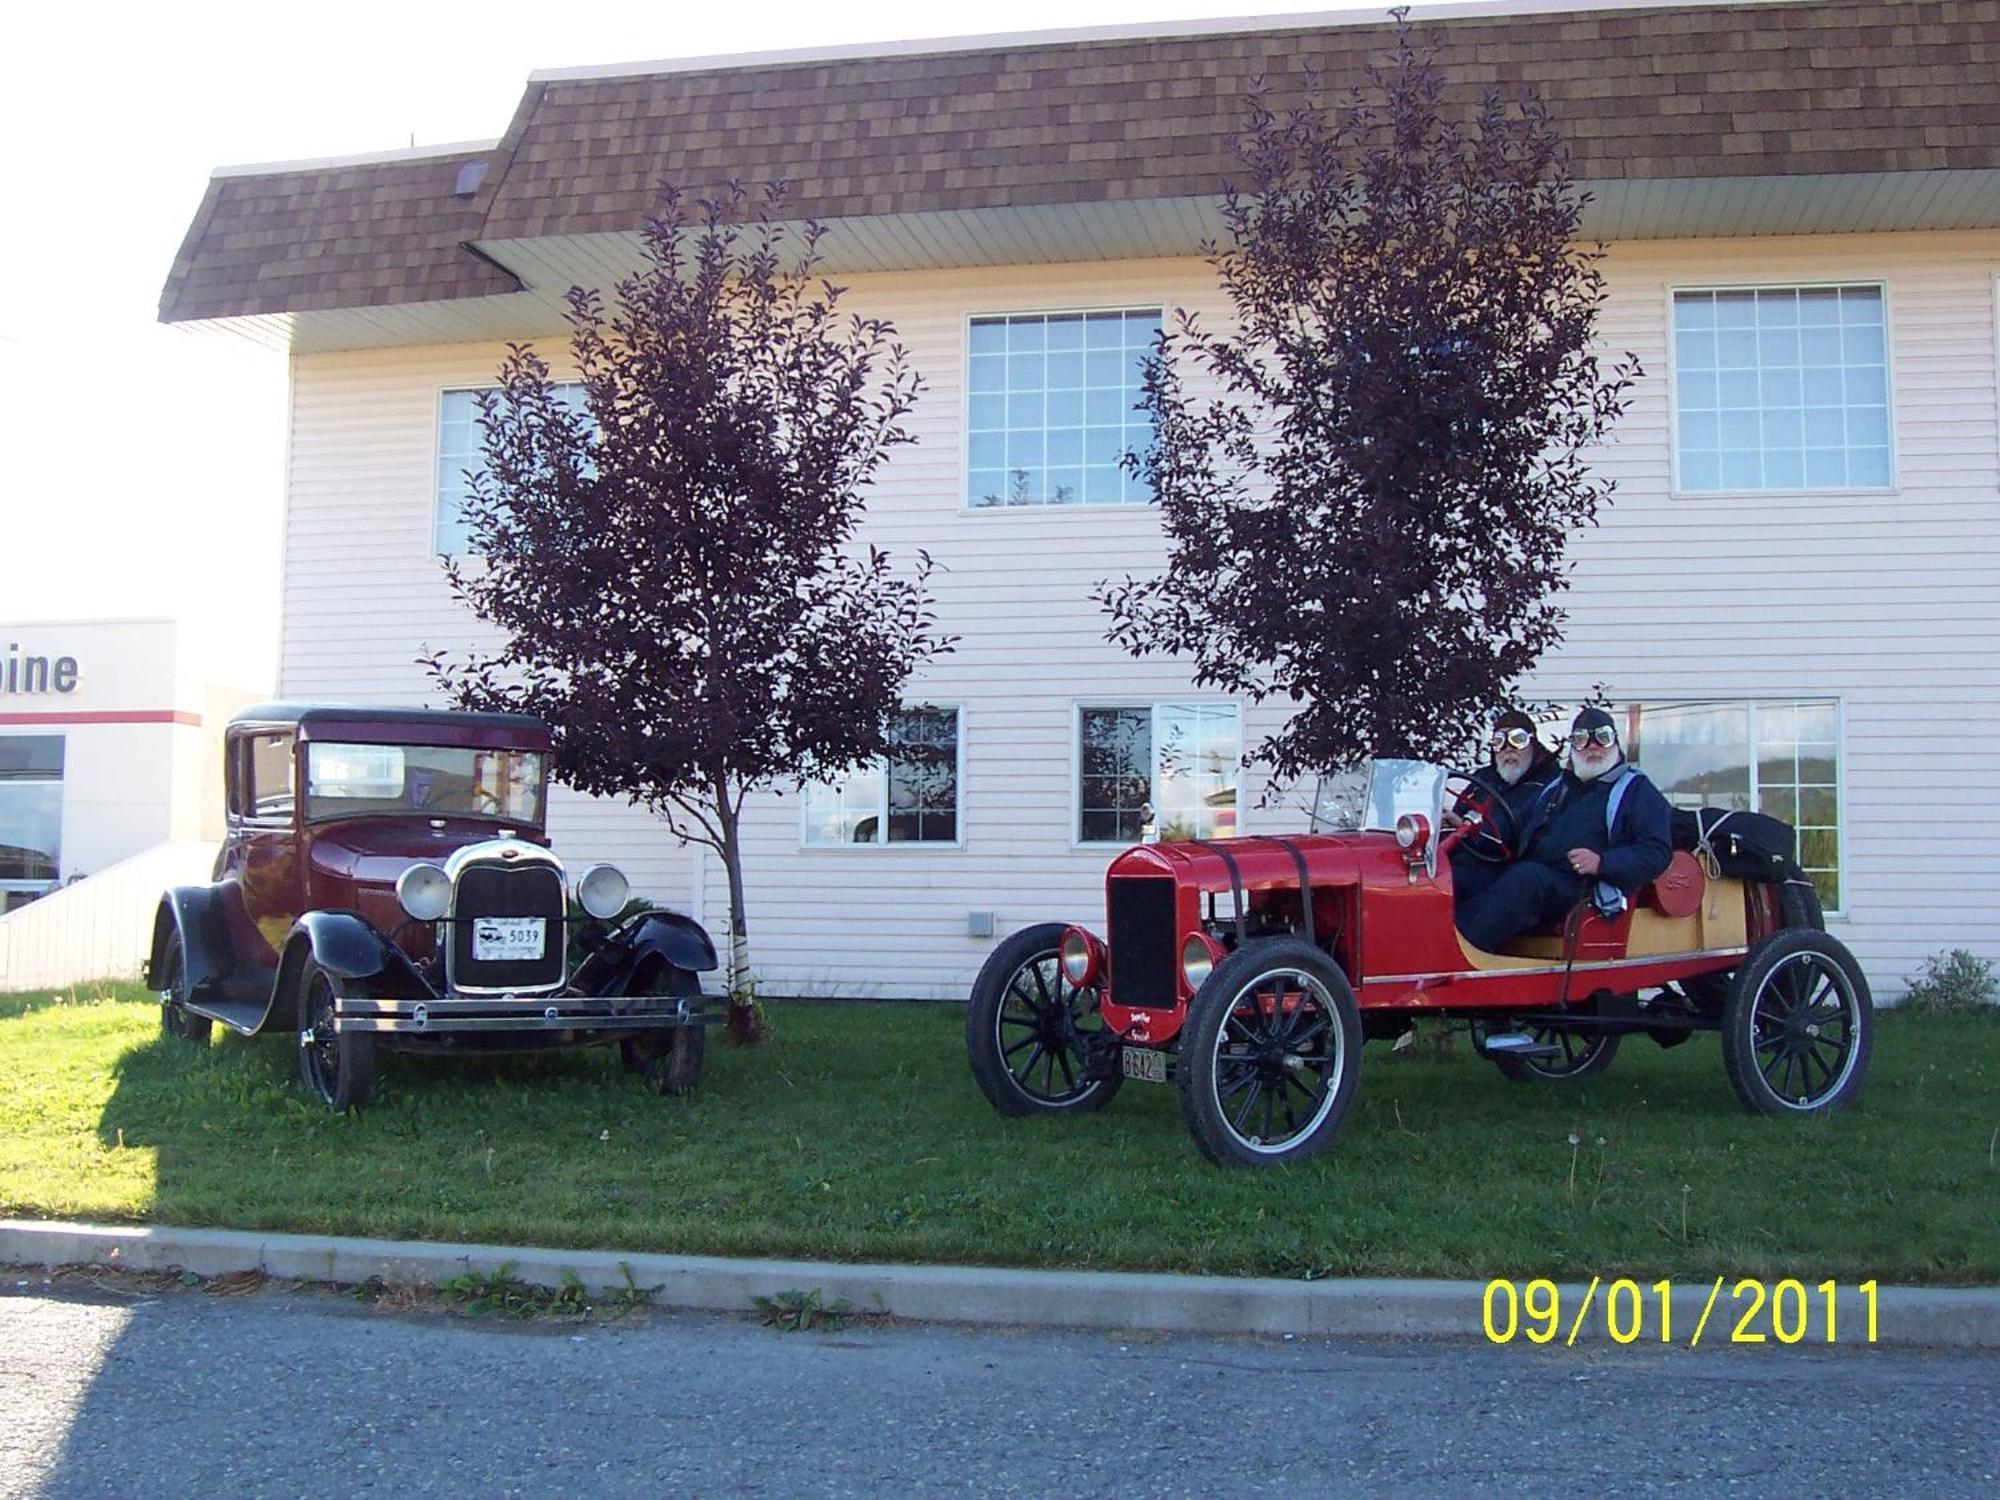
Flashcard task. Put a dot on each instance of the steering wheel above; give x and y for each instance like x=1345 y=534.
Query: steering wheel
x=1486 y=827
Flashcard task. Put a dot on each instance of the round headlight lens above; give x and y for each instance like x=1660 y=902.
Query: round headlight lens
x=1079 y=957
x=1412 y=831
x=1197 y=959
x=602 y=891
x=424 y=891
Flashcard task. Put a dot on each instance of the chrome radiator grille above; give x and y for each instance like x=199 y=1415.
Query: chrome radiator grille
x=497 y=890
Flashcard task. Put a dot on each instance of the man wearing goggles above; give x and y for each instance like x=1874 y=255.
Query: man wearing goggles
x=1600 y=830
x=1501 y=792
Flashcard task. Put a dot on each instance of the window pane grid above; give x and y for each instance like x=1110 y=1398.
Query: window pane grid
x=1051 y=408
x=1167 y=771
x=1779 y=757
x=909 y=796
x=461 y=448
x=1782 y=388
x=1115 y=776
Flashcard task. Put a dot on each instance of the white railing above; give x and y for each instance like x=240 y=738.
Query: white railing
x=100 y=927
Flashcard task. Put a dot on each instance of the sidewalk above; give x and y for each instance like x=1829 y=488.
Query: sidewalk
x=1926 y=1317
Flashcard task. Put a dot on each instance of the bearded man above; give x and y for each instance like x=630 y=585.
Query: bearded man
x=1601 y=829
x=1504 y=790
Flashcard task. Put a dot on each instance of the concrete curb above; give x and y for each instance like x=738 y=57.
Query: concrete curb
x=1929 y=1317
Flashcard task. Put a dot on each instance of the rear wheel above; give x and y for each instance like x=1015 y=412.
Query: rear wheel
x=1798 y=1026
x=337 y=1067
x=175 y=1017
x=1029 y=1032
x=1582 y=1054
x=1268 y=1060
x=669 y=1060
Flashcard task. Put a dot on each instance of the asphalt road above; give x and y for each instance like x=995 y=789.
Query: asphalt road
x=288 y=1394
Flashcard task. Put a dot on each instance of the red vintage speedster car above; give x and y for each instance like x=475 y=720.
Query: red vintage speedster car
x=1249 y=971
x=386 y=881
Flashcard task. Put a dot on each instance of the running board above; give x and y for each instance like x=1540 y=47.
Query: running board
x=241 y=1016
x=1518 y=1044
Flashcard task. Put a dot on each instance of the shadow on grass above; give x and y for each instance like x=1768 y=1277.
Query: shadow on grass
x=857 y=1134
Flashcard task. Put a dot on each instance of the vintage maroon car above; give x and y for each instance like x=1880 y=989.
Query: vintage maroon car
x=1249 y=971
x=386 y=881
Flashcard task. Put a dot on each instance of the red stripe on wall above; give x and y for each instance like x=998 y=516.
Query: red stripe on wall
x=127 y=716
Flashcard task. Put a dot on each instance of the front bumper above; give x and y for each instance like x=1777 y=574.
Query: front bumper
x=584 y=1015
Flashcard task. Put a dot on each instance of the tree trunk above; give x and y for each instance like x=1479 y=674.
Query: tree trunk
x=745 y=1024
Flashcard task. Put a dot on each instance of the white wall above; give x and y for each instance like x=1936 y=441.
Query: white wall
x=101 y=928
x=1882 y=601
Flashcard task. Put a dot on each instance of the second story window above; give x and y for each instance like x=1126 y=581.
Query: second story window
x=1781 y=388
x=461 y=449
x=1052 y=403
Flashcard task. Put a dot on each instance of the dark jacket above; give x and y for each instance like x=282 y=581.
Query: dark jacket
x=1516 y=802
x=1570 y=815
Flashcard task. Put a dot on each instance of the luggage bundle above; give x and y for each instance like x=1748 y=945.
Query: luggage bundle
x=1750 y=846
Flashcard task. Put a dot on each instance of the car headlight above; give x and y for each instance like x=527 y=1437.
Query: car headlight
x=1082 y=958
x=424 y=891
x=1199 y=956
x=1413 y=832
x=602 y=890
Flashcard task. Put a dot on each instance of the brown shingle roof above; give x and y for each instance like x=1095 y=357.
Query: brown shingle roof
x=366 y=235
x=1745 y=90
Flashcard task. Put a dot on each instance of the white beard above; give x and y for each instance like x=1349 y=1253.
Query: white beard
x=1591 y=769
x=1511 y=770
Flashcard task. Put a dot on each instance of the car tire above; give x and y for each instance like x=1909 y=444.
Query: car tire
x=176 y=1020
x=1585 y=1054
x=1235 y=1059
x=1799 y=906
x=1798 y=1027
x=667 y=1060
x=337 y=1068
x=1025 y=1016
x=1799 y=903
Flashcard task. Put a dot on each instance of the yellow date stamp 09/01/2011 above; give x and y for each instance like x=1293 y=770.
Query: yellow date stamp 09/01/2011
x=1749 y=1312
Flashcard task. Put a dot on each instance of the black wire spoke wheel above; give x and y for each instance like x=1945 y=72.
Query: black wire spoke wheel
x=1269 y=1056
x=1799 y=1025
x=337 y=1067
x=1029 y=1032
x=1581 y=1053
x=668 y=1060
x=176 y=1019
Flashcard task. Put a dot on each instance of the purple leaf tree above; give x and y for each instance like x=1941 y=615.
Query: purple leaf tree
x=669 y=552
x=1368 y=481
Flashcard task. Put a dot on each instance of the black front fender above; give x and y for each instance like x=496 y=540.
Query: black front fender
x=652 y=937
x=345 y=944
x=195 y=912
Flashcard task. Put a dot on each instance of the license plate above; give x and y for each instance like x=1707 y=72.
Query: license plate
x=507 y=940
x=1143 y=1063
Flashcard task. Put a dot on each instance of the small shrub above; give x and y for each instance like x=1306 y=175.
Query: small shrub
x=801 y=1312
x=1952 y=984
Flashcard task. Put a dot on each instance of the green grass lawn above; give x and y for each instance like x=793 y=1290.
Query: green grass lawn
x=857 y=1134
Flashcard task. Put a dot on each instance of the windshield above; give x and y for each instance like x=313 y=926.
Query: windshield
x=1371 y=797
x=436 y=781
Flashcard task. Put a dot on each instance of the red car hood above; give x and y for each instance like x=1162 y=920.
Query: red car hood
x=377 y=850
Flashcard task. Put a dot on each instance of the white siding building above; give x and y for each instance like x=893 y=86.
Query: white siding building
x=1791 y=596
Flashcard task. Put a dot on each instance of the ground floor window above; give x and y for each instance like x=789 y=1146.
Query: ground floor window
x=1157 y=771
x=1777 y=756
x=910 y=796
x=31 y=777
